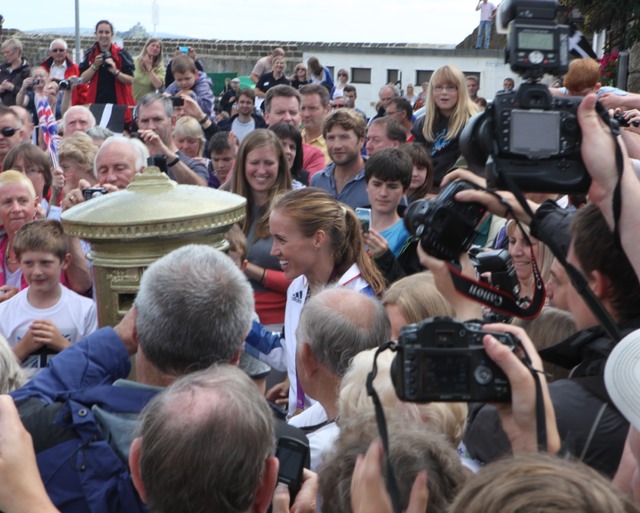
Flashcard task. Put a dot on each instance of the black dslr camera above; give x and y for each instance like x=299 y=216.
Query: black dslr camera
x=445 y=226
x=443 y=359
x=498 y=263
x=529 y=135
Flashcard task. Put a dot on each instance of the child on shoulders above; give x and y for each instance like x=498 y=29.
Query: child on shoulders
x=191 y=82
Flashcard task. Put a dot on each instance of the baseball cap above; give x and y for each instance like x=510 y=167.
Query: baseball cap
x=622 y=377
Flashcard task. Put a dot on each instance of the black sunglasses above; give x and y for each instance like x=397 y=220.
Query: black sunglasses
x=8 y=131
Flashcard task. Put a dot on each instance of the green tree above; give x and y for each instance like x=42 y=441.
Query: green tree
x=620 y=18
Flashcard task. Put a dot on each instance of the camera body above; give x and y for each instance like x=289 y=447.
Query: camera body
x=529 y=135
x=69 y=83
x=498 y=263
x=442 y=359
x=35 y=82
x=445 y=226
x=93 y=192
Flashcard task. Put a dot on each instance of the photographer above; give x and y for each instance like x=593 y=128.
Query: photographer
x=108 y=69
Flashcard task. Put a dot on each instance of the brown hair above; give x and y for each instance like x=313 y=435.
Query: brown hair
x=314 y=210
x=420 y=158
x=45 y=235
x=539 y=482
x=33 y=155
x=183 y=64
x=347 y=119
x=256 y=139
x=582 y=74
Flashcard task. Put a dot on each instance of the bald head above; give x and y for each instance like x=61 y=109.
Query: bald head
x=338 y=323
x=77 y=118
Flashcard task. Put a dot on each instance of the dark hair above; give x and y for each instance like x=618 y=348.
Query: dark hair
x=394 y=129
x=314 y=65
x=287 y=131
x=105 y=22
x=596 y=249
x=44 y=235
x=183 y=64
x=420 y=158
x=309 y=89
x=404 y=105
x=350 y=89
x=34 y=155
x=249 y=92
x=219 y=142
x=389 y=165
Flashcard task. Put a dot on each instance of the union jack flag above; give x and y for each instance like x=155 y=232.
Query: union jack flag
x=48 y=127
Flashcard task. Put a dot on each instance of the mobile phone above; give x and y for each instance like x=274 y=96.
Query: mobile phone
x=184 y=49
x=364 y=216
x=292 y=455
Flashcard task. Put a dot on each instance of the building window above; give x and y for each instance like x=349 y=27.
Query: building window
x=361 y=75
x=393 y=76
x=423 y=76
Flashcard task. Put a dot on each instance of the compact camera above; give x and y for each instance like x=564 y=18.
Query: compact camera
x=35 y=82
x=93 y=192
x=498 y=264
x=622 y=121
x=69 y=83
x=443 y=359
x=528 y=135
x=445 y=226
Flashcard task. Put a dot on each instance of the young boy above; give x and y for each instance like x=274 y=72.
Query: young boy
x=190 y=81
x=223 y=158
x=46 y=317
x=388 y=176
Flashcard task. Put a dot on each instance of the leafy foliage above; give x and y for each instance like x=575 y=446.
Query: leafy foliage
x=620 y=18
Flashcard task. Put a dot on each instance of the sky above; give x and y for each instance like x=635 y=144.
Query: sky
x=405 y=21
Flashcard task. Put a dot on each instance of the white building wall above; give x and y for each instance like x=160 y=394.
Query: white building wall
x=488 y=65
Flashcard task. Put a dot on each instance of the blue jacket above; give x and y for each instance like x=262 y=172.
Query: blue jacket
x=65 y=406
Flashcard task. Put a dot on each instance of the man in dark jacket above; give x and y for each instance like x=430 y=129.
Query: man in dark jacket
x=590 y=426
x=246 y=120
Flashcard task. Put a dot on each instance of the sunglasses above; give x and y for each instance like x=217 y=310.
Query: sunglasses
x=8 y=131
x=58 y=50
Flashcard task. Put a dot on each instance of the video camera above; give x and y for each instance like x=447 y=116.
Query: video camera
x=443 y=359
x=528 y=135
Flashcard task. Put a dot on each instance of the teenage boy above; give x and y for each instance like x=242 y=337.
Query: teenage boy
x=191 y=82
x=388 y=176
x=223 y=158
x=46 y=317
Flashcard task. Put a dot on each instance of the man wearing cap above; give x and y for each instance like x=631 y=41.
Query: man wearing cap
x=230 y=96
x=246 y=120
x=193 y=309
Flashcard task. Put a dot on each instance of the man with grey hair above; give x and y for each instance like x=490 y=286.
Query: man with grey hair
x=60 y=67
x=77 y=118
x=335 y=325
x=216 y=455
x=10 y=125
x=13 y=71
x=154 y=114
x=386 y=94
x=193 y=309
x=26 y=130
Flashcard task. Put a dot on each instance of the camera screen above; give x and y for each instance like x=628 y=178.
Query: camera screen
x=534 y=133
x=535 y=40
x=445 y=374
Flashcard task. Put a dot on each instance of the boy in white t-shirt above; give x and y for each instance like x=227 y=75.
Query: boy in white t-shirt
x=46 y=317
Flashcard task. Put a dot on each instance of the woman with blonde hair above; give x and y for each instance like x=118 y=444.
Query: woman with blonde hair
x=260 y=173
x=150 y=71
x=189 y=138
x=522 y=253
x=76 y=155
x=412 y=299
x=317 y=240
x=448 y=108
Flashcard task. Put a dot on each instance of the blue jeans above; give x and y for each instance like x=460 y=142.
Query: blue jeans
x=485 y=26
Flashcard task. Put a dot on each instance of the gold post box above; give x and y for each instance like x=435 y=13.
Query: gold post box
x=131 y=228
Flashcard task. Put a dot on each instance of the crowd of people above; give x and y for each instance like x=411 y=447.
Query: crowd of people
x=275 y=341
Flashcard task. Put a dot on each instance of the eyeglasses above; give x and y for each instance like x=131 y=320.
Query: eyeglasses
x=342 y=74
x=449 y=88
x=58 y=50
x=7 y=131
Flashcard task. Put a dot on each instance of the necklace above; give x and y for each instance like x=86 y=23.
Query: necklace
x=7 y=257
